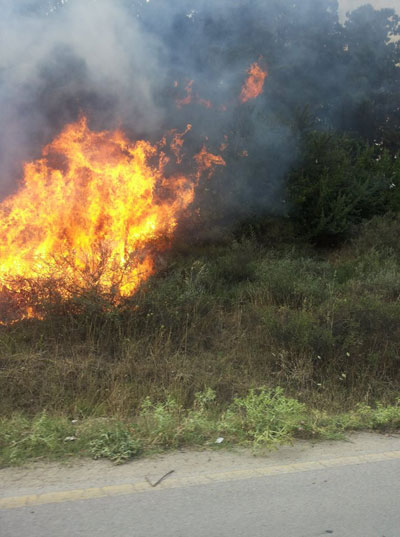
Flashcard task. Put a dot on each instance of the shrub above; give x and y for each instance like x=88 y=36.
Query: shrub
x=265 y=417
x=338 y=183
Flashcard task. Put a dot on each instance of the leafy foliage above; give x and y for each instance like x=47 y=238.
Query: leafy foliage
x=340 y=182
x=118 y=446
x=263 y=418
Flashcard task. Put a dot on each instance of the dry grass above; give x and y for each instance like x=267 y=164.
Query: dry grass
x=229 y=318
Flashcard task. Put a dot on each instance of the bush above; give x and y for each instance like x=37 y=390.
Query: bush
x=265 y=417
x=338 y=183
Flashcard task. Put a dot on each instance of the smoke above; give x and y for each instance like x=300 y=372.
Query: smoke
x=346 y=6
x=127 y=62
x=55 y=63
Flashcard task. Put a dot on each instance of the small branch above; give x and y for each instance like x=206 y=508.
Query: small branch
x=161 y=479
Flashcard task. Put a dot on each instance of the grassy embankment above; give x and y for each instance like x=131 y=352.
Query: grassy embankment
x=176 y=364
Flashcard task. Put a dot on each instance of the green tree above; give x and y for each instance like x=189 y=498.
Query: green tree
x=339 y=182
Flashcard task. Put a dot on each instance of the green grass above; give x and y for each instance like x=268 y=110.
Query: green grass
x=218 y=320
x=324 y=325
x=263 y=419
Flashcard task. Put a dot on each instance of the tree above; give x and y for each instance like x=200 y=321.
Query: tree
x=339 y=182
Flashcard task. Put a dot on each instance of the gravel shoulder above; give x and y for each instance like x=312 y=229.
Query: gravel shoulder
x=37 y=477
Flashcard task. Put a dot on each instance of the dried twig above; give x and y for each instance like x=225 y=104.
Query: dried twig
x=161 y=479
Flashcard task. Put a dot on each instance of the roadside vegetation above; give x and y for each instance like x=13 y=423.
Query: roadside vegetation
x=276 y=313
x=263 y=419
x=181 y=363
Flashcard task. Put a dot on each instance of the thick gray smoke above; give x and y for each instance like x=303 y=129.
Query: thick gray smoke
x=89 y=57
x=126 y=62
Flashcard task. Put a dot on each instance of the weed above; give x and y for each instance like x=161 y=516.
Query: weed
x=22 y=439
x=118 y=446
x=265 y=417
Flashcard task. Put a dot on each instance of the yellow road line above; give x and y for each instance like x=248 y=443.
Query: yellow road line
x=217 y=477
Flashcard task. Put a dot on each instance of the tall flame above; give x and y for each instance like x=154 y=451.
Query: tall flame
x=254 y=83
x=92 y=210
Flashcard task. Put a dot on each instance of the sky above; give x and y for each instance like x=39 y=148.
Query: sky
x=348 y=5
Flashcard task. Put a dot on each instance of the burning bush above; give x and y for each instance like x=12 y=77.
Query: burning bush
x=92 y=213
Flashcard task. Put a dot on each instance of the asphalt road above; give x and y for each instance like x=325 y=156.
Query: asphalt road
x=343 y=491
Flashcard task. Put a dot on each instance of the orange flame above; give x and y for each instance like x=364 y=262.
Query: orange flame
x=178 y=141
x=206 y=161
x=189 y=95
x=92 y=211
x=254 y=84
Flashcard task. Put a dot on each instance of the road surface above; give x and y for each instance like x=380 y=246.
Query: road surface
x=342 y=489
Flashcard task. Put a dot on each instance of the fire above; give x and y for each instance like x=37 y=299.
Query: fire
x=191 y=97
x=93 y=211
x=178 y=141
x=206 y=161
x=254 y=83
